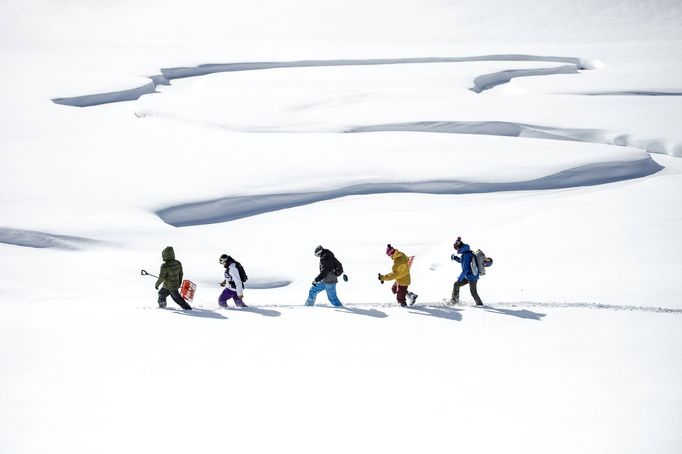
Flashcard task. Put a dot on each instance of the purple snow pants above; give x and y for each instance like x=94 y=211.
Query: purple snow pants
x=229 y=294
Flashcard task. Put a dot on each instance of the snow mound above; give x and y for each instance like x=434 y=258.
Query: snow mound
x=34 y=239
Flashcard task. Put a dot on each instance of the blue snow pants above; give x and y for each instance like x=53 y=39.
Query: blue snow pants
x=331 y=294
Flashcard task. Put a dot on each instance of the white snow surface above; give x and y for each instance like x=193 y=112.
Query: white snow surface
x=546 y=133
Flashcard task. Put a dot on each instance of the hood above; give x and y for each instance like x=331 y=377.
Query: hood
x=168 y=254
x=398 y=255
x=464 y=248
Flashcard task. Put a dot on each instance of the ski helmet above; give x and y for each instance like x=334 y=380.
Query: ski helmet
x=318 y=251
x=223 y=259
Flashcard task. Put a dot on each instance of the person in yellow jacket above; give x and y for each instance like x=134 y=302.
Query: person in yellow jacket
x=401 y=274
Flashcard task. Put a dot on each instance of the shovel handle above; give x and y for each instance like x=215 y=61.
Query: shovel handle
x=144 y=273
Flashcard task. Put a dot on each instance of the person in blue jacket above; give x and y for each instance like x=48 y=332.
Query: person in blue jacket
x=467 y=276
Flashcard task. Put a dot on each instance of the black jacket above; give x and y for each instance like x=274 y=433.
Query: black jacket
x=327 y=268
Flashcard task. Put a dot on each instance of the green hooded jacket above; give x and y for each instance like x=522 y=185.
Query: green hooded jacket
x=171 y=270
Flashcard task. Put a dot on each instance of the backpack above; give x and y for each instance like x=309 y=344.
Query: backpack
x=242 y=274
x=479 y=262
x=338 y=267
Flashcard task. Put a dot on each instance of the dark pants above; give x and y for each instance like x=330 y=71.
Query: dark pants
x=472 y=287
x=163 y=294
x=400 y=293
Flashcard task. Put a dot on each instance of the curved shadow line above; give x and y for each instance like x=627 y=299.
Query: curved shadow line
x=237 y=207
x=168 y=74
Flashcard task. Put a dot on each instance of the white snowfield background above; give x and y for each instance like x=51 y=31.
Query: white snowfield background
x=546 y=133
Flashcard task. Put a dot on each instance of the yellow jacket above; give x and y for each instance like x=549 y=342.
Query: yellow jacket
x=400 y=271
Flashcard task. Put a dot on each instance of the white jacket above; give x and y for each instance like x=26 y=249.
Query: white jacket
x=233 y=279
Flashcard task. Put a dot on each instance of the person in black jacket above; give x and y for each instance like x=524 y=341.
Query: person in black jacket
x=326 y=280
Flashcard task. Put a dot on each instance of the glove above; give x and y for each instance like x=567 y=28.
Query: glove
x=314 y=283
x=456 y=258
x=156 y=287
x=345 y=278
x=222 y=284
x=381 y=279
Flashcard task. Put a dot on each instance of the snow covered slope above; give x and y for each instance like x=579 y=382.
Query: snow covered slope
x=544 y=132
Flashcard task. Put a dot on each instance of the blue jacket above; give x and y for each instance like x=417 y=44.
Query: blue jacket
x=465 y=260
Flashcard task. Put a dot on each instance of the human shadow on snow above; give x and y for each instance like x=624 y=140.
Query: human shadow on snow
x=520 y=313
x=261 y=311
x=446 y=313
x=200 y=313
x=368 y=312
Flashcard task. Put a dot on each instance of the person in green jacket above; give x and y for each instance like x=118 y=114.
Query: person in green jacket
x=171 y=278
x=401 y=273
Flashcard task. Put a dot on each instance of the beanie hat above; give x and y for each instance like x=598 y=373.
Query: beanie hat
x=389 y=250
x=318 y=250
x=458 y=244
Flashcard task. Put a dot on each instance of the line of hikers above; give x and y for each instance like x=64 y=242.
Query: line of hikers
x=473 y=266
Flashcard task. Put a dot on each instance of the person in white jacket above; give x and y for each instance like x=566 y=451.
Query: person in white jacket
x=234 y=287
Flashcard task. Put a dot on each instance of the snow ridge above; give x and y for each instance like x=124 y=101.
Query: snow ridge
x=512 y=129
x=487 y=81
x=491 y=128
x=34 y=239
x=110 y=97
x=237 y=207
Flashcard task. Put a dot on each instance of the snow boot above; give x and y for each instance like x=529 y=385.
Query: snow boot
x=412 y=297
